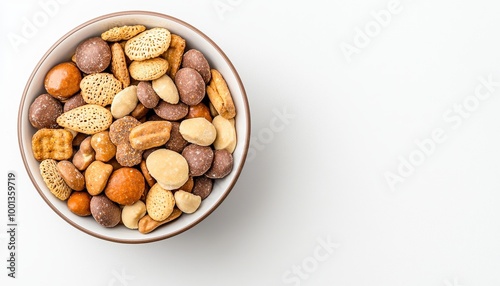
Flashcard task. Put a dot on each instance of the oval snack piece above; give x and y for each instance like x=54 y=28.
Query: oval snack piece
x=105 y=211
x=53 y=180
x=226 y=134
x=165 y=88
x=88 y=119
x=196 y=60
x=159 y=203
x=124 y=102
x=43 y=112
x=168 y=168
x=148 y=44
x=63 y=80
x=190 y=85
x=150 y=134
x=198 y=131
x=100 y=88
x=93 y=55
x=148 y=69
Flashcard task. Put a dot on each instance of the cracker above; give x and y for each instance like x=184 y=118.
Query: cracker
x=119 y=65
x=148 y=44
x=148 y=69
x=53 y=180
x=159 y=203
x=88 y=119
x=100 y=88
x=52 y=144
x=220 y=96
x=174 y=54
x=117 y=34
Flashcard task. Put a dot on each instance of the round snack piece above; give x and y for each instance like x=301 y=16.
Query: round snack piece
x=147 y=95
x=71 y=175
x=170 y=169
x=165 y=88
x=79 y=203
x=198 y=131
x=127 y=156
x=93 y=55
x=196 y=60
x=125 y=186
x=63 y=80
x=105 y=211
x=187 y=202
x=221 y=166
x=176 y=142
x=148 y=69
x=53 y=180
x=199 y=159
x=148 y=44
x=132 y=214
x=43 y=112
x=159 y=203
x=74 y=102
x=120 y=129
x=171 y=112
x=202 y=187
x=190 y=85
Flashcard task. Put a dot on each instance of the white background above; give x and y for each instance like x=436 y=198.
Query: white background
x=321 y=176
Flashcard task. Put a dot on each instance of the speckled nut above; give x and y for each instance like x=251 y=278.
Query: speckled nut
x=187 y=202
x=150 y=134
x=127 y=156
x=147 y=224
x=171 y=112
x=79 y=203
x=73 y=102
x=190 y=85
x=221 y=166
x=199 y=159
x=93 y=55
x=85 y=155
x=226 y=134
x=43 y=112
x=147 y=95
x=165 y=88
x=176 y=142
x=202 y=187
x=169 y=168
x=125 y=186
x=104 y=149
x=70 y=174
x=96 y=177
x=196 y=60
x=198 y=131
x=124 y=102
x=120 y=129
x=159 y=203
x=63 y=80
x=132 y=214
x=105 y=211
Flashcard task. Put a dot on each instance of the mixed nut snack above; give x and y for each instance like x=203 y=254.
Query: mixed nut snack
x=133 y=130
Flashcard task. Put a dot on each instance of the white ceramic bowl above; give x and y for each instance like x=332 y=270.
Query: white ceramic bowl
x=62 y=51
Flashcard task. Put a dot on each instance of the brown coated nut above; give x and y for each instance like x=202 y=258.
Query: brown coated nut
x=190 y=85
x=120 y=129
x=199 y=159
x=43 y=112
x=147 y=95
x=96 y=177
x=70 y=174
x=147 y=176
x=150 y=134
x=128 y=156
x=125 y=186
x=104 y=149
x=105 y=211
x=221 y=166
x=199 y=110
x=202 y=186
x=74 y=102
x=196 y=60
x=176 y=142
x=147 y=224
x=79 y=203
x=140 y=111
x=85 y=155
x=78 y=139
x=93 y=55
x=171 y=112
x=63 y=80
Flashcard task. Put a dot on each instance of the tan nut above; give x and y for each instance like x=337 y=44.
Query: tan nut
x=70 y=174
x=147 y=224
x=96 y=177
x=104 y=149
x=131 y=214
x=85 y=155
x=226 y=134
x=187 y=202
x=166 y=89
x=198 y=131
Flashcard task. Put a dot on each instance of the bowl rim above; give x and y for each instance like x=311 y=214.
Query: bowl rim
x=237 y=170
